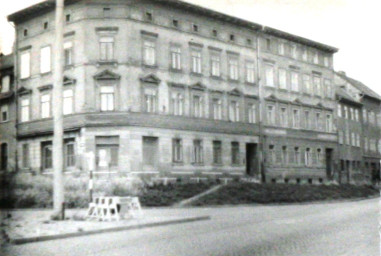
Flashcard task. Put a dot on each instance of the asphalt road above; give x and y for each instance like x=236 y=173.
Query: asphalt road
x=334 y=229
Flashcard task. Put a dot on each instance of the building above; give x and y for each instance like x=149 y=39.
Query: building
x=167 y=88
x=7 y=115
x=360 y=125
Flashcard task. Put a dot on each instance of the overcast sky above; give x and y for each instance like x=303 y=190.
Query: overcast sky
x=350 y=25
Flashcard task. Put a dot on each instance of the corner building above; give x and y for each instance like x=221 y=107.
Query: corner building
x=167 y=88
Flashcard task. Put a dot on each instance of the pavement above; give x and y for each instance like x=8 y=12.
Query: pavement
x=325 y=229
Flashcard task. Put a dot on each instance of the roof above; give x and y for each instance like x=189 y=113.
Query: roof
x=48 y=5
x=345 y=96
x=6 y=61
x=360 y=86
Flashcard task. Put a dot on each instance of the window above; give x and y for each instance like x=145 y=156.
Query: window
x=25 y=110
x=351 y=110
x=318 y=121
x=106 y=48
x=283 y=117
x=281 y=48
x=328 y=88
x=25 y=156
x=234 y=111
x=294 y=52
x=317 y=85
x=233 y=68
x=235 y=153
x=198 y=109
x=149 y=16
x=307 y=84
x=269 y=69
x=319 y=156
x=284 y=155
x=328 y=124
x=252 y=109
x=25 y=65
x=107 y=151
x=45 y=61
x=107 y=12
x=45 y=106
x=67 y=18
x=339 y=110
x=176 y=58
x=326 y=61
x=316 y=58
x=46 y=25
x=217 y=109
x=297 y=158
x=195 y=28
x=295 y=119
x=5 y=83
x=249 y=41
x=215 y=61
x=217 y=152
x=357 y=115
x=250 y=72
x=69 y=154
x=346 y=114
x=4 y=156
x=365 y=115
x=268 y=44
x=214 y=33
x=196 y=62
x=175 y=23
x=308 y=157
x=68 y=53
x=294 y=81
x=68 y=102
x=304 y=55
x=4 y=113
x=307 y=119
x=270 y=115
x=107 y=98
x=47 y=161
x=347 y=137
x=177 y=150
x=272 y=155
x=25 y=32
x=353 y=137
x=177 y=101
x=282 y=78
x=231 y=37
x=197 y=152
x=358 y=140
x=150 y=100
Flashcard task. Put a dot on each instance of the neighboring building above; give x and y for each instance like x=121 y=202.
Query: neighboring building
x=7 y=115
x=169 y=88
x=370 y=118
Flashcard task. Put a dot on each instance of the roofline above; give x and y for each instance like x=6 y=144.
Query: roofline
x=299 y=39
x=49 y=5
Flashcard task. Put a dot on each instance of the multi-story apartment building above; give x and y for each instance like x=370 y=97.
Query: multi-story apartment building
x=367 y=122
x=7 y=115
x=169 y=88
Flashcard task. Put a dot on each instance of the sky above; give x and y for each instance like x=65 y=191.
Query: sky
x=350 y=25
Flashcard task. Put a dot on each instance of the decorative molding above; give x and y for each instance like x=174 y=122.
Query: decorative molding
x=107 y=75
x=316 y=73
x=107 y=29
x=147 y=33
x=235 y=92
x=23 y=91
x=198 y=86
x=151 y=78
x=294 y=67
x=25 y=48
x=268 y=61
x=71 y=33
x=45 y=87
x=232 y=53
x=214 y=49
x=68 y=81
x=177 y=85
x=195 y=44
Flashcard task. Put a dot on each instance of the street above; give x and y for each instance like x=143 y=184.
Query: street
x=334 y=229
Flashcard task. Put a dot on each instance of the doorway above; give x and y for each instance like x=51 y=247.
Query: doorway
x=251 y=160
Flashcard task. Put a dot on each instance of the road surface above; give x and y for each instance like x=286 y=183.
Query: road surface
x=332 y=229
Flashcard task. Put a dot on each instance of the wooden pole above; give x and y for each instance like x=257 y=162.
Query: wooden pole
x=58 y=184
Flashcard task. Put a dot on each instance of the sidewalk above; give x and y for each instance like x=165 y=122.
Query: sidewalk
x=32 y=225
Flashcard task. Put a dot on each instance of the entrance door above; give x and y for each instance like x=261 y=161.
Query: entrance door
x=251 y=160
x=329 y=161
x=150 y=153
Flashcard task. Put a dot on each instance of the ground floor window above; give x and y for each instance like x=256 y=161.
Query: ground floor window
x=198 y=152
x=217 y=152
x=4 y=156
x=235 y=152
x=177 y=150
x=25 y=156
x=107 y=151
x=69 y=154
x=47 y=155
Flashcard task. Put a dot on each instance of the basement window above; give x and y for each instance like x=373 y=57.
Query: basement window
x=215 y=33
x=232 y=37
x=149 y=16
x=106 y=12
x=46 y=25
x=175 y=23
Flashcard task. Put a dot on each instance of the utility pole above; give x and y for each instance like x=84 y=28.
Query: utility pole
x=58 y=183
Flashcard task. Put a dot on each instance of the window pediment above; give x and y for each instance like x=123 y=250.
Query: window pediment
x=68 y=80
x=198 y=86
x=151 y=78
x=235 y=92
x=107 y=75
x=45 y=87
x=23 y=91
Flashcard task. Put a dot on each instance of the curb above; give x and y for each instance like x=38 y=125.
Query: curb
x=18 y=241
